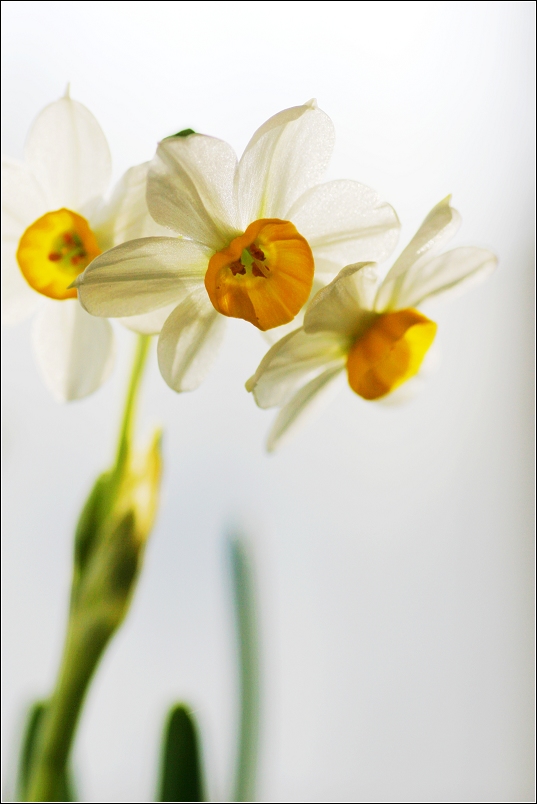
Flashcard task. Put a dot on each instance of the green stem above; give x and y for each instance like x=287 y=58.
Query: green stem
x=83 y=649
x=89 y=629
x=127 y=422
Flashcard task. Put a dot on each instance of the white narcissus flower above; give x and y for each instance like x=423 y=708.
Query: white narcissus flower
x=366 y=326
x=54 y=223
x=251 y=234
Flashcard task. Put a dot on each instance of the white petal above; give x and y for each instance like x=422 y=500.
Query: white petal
x=345 y=304
x=438 y=227
x=325 y=271
x=292 y=362
x=74 y=350
x=308 y=402
x=148 y=323
x=69 y=155
x=126 y=216
x=284 y=158
x=142 y=275
x=451 y=273
x=189 y=343
x=23 y=201
x=344 y=222
x=191 y=189
x=19 y=301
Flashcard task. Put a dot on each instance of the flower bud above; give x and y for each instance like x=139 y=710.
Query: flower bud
x=111 y=535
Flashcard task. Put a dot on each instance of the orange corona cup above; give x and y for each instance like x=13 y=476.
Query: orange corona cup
x=54 y=250
x=389 y=353
x=264 y=276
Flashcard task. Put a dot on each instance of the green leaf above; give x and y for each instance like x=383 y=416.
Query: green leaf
x=186 y=132
x=242 y=576
x=181 y=778
x=64 y=786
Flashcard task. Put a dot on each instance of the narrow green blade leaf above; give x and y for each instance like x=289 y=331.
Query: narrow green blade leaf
x=181 y=764
x=64 y=787
x=246 y=624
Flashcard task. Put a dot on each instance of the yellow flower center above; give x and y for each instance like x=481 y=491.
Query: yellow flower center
x=389 y=353
x=264 y=276
x=54 y=250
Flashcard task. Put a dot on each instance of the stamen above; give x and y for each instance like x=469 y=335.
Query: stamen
x=258 y=269
x=54 y=256
x=256 y=252
x=237 y=268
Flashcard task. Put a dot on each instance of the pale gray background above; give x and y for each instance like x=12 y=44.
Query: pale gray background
x=394 y=545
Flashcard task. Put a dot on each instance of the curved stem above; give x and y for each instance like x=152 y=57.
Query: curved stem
x=91 y=625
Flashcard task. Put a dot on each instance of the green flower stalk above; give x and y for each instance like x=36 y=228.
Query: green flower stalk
x=245 y=605
x=109 y=545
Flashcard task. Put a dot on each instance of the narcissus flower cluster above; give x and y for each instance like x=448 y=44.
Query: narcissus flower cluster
x=198 y=236
x=250 y=238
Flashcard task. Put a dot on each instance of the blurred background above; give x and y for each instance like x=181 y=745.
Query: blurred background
x=394 y=545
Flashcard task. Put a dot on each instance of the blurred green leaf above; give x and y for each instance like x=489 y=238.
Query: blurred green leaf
x=181 y=764
x=246 y=623
x=25 y=759
x=64 y=786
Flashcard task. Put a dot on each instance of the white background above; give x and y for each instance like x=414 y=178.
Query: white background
x=394 y=544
